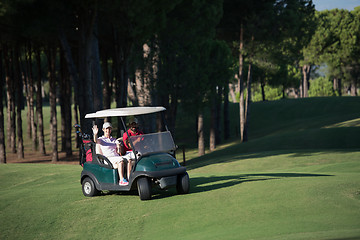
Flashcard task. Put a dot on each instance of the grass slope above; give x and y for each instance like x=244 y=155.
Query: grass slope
x=267 y=188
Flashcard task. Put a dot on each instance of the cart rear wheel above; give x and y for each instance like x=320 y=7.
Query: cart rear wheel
x=144 y=188
x=88 y=188
x=183 y=184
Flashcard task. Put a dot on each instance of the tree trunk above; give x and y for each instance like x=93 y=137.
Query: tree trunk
x=76 y=118
x=123 y=84
x=10 y=94
x=171 y=106
x=62 y=98
x=25 y=82
x=218 y=115
x=19 y=105
x=263 y=91
x=144 y=79
x=301 y=91
x=283 y=92
x=26 y=77
x=121 y=75
x=106 y=85
x=226 y=112
x=74 y=77
x=30 y=87
x=241 y=85
x=248 y=95
x=132 y=93
x=88 y=62
x=163 y=100
x=212 y=136
x=232 y=91
x=171 y=114
x=2 y=132
x=200 y=134
x=39 y=105
x=306 y=69
x=337 y=85
x=96 y=70
x=353 y=88
x=125 y=76
x=52 y=100
x=65 y=100
x=248 y=101
x=340 y=86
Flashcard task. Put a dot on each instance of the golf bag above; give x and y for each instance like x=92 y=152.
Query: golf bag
x=86 y=146
x=87 y=152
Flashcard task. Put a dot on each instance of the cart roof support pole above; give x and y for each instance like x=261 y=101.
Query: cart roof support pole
x=164 y=121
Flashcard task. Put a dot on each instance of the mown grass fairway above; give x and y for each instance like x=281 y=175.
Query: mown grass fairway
x=289 y=183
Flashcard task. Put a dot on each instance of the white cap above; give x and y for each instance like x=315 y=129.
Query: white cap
x=107 y=125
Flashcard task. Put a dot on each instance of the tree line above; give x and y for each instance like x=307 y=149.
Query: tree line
x=92 y=54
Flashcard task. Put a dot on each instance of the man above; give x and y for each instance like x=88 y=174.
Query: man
x=132 y=131
x=110 y=148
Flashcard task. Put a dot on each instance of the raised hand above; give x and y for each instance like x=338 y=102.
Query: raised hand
x=95 y=130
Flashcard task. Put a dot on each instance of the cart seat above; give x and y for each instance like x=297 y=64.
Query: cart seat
x=100 y=155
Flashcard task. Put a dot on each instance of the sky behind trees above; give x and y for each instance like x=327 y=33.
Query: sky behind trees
x=331 y=4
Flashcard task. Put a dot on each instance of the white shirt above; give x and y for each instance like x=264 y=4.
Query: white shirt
x=108 y=146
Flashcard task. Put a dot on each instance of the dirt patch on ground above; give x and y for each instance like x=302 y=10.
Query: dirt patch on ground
x=36 y=157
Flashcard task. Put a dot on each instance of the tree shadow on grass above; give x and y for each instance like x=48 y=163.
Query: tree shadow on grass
x=205 y=184
x=296 y=143
x=346 y=238
x=228 y=155
x=37 y=157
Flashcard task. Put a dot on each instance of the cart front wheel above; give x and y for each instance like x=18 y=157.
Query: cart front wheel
x=144 y=188
x=183 y=184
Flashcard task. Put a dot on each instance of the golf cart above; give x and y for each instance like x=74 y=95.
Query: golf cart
x=155 y=164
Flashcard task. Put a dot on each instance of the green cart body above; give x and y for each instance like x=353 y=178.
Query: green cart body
x=155 y=164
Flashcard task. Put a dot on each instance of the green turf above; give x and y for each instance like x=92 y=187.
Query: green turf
x=287 y=182
x=302 y=195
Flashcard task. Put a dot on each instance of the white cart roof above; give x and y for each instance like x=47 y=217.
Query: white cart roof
x=124 y=112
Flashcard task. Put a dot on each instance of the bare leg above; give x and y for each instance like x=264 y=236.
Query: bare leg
x=129 y=167
x=120 y=170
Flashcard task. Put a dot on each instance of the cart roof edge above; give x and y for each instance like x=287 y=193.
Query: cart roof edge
x=124 y=112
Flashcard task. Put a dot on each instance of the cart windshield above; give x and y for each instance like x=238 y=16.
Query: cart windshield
x=153 y=143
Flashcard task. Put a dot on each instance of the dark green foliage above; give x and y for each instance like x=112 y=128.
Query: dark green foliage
x=321 y=87
x=336 y=44
x=188 y=64
x=187 y=53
